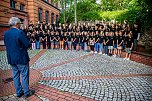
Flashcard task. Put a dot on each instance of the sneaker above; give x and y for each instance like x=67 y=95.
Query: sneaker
x=91 y=51
x=100 y=53
x=95 y=52
x=114 y=56
x=30 y=94
x=127 y=59
x=21 y=94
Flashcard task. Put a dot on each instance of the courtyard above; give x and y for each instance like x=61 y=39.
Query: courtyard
x=64 y=75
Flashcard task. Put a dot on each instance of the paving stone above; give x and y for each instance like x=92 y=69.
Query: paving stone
x=100 y=89
x=43 y=98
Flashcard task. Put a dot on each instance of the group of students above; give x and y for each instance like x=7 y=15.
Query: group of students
x=104 y=38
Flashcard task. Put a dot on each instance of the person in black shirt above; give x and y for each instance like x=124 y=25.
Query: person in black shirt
x=136 y=35
x=56 y=39
x=91 y=42
x=43 y=39
x=52 y=40
x=33 y=40
x=129 y=46
x=48 y=39
x=65 y=38
x=81 y=41
x=76 y=45
x=105 y=43
x=110 y=43
x=61 y=40
x=96 y=38
x=72 y=38
x=120 y=43
x=101 y=37
x=84 y=40
x=37 y=38
x=115 y=43
x=69 y=40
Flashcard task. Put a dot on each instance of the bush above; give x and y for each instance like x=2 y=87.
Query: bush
x=121 y=15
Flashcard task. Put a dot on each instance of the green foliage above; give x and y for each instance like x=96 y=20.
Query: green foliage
x=117 y=15
x=119 y=10
x=91 y=15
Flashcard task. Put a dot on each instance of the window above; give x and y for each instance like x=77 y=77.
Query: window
x=51 y=1
x=40 y=14
x=46 y=16
x=12 y=4
x=56 y=5
x=21 y=7
x=52 y=18
x=57 y=19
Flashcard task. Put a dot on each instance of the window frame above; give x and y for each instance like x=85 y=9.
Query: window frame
x=23 y=7
x=52 y=18
x=46 y=16
x=13 y=4
x=40 y=14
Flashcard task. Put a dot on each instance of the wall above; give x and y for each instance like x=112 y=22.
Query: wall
x=34 y=5
x=6 y=12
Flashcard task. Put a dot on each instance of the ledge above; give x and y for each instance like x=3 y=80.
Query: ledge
x=143 y=54
x=4 y=25
x=18 y=10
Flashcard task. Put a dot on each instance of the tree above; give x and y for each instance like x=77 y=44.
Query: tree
x=66 y=5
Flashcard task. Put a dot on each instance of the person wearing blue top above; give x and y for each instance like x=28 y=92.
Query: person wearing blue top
x=17 y=44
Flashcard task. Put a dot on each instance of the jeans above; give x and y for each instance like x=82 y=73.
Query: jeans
x=105 y=49
x=65 y=45
x=24 y=71
x=82 y=45
x=75 y=45
x=69 y=44
x=37 y=45
x=85 y=46
x=100 y=46
x=135 y=44
x=49 y=45
x=96 y=47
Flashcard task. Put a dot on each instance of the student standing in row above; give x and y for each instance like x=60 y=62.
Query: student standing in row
x=96 y=38
x=129 y=46
x=110 y=43
x=115 y=43
x=105 y=42
x=101 y=37
x=120 y=43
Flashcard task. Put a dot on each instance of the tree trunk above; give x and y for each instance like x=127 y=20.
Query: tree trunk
x=75 y=11
x=69 y=11
x=64 y=11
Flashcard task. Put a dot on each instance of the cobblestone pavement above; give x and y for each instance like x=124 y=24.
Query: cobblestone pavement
x=3 y=59
x=81 y=76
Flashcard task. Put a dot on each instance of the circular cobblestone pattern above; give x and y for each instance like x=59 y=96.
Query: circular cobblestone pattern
x=82 y=76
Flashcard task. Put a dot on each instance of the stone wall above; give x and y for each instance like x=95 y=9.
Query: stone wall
x=146 y=39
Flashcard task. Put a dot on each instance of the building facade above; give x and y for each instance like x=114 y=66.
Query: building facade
x=43 y=10
x=28 y=11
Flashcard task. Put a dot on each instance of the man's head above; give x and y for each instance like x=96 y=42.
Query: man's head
x=14 y=22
